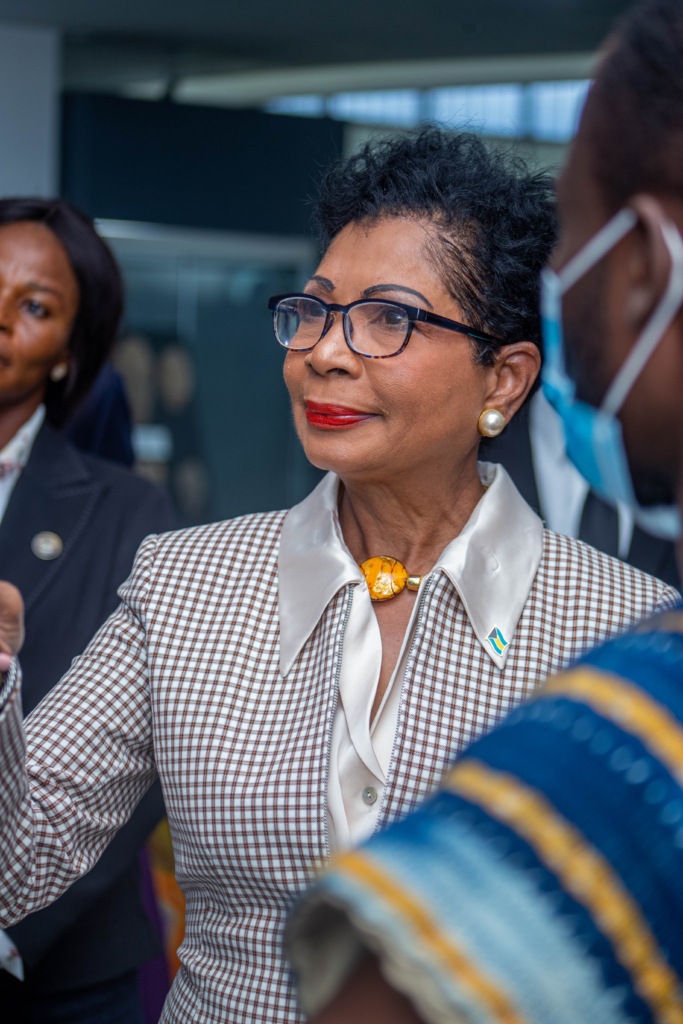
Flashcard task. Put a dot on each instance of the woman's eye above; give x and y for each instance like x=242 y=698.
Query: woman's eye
x=391 y=318
x=36 y=309
x=312 y=312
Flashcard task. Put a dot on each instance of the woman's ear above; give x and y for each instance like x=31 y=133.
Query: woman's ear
x=515 y=369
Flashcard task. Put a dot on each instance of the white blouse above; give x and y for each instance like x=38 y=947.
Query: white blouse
x=492 y=563
x=15 y=455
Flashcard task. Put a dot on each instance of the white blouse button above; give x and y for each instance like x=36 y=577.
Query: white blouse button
x=369 y=795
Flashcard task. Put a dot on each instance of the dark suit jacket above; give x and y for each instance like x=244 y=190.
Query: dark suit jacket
x=513 y=450
x=98 y=929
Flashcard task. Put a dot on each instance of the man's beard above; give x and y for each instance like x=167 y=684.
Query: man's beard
x=586 y=333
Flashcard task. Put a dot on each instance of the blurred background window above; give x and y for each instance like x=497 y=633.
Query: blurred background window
x=547 y=111
x=396 y=107
x=491 y=109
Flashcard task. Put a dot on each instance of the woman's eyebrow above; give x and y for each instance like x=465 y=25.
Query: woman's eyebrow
x=34 y=286
x=395 y=288
x=323 y=281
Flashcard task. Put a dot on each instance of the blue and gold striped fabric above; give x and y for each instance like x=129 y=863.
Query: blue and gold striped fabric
x=544 y=883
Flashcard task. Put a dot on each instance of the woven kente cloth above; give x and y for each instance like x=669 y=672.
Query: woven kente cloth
x=544 y=883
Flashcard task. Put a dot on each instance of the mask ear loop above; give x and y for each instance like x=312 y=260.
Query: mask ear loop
x=655 y=328
x=557 y=283
x=598 y=246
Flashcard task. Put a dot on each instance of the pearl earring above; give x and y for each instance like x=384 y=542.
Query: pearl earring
x=491 y=422
x=59 y=372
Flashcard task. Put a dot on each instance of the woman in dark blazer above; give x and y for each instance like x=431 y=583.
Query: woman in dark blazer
x=70 y=525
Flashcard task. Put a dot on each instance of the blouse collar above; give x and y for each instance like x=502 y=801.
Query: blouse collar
x=491 y=563
x=16 y=452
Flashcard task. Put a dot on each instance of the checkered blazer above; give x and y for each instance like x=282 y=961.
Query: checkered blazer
x=183 y=681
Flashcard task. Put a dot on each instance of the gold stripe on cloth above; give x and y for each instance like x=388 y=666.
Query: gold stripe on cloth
x=426 y=931
x=583 y=872
x=629 y=707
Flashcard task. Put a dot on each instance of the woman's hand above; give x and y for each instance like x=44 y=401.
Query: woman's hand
x=11 y=624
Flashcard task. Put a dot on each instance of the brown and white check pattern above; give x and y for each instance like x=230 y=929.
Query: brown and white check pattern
x=183 y=680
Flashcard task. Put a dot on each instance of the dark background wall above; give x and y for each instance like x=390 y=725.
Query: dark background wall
x=238 y=170
x=221 y=169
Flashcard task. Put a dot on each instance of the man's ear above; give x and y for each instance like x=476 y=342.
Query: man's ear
x=515 y=369
x=647 y=264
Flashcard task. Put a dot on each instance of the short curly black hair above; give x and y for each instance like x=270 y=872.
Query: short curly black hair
x=496 y=219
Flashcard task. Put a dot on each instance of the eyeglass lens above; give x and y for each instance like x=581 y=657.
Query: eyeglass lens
x=373 y=328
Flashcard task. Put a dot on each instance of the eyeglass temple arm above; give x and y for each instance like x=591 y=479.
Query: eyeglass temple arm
x=453 y=325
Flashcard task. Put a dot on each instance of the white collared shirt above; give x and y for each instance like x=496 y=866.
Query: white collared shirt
x=562 y=491
x=15 y=455
x=492 y=563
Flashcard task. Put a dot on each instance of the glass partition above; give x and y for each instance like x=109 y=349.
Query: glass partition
x=203 y=370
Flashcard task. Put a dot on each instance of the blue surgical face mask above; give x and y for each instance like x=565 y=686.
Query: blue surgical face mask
x=594 y=438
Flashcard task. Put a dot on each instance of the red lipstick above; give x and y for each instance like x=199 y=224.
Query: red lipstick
x=334 y=417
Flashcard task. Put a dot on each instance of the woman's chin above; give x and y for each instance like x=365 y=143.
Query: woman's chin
x=341 y=452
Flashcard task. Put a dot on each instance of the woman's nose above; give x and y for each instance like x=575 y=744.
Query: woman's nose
x=332 y=353
x=5 y=314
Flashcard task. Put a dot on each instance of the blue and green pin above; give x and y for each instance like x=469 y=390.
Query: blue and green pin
x=497 y=641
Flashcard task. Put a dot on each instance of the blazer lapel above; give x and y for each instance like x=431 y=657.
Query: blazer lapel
x=54 y=493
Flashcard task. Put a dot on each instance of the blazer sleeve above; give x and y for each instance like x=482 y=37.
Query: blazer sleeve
x=73 y=774
x=667 y=598
x=37 y=934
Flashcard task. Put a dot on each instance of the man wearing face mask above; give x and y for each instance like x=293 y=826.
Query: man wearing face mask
x=533 y=450
x=542 y=885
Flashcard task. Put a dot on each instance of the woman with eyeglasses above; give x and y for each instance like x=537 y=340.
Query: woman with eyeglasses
x=299 y=679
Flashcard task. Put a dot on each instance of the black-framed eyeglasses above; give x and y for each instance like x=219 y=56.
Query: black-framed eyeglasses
x=373 y=328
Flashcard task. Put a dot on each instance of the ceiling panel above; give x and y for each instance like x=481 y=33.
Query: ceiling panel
x=271 y=33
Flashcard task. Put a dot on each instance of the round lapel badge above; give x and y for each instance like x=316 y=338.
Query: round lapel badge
x=47 y=545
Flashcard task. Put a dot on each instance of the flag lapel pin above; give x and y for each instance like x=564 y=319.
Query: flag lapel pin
x=497 y=641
